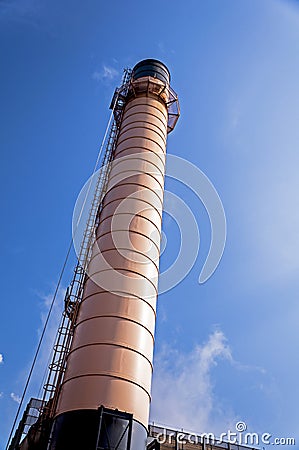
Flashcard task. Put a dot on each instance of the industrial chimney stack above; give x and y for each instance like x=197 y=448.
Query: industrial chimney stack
x=103 y=399
x=105 y=394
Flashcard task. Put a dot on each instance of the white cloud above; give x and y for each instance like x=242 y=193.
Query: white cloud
x=41 y=366
x=1 y=359
x=234 y=116
x=182 y=391
x=97 y=76
x=161 y=47
x=107 y=73
x=1 y=394
x=276 y=223
x=15 y=397
x=264 y=136
x=26 y=12
x=164 y=49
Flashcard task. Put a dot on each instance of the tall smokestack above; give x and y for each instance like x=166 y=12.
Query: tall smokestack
x=104 y=398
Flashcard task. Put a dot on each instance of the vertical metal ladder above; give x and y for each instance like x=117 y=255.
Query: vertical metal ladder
x=73 y=296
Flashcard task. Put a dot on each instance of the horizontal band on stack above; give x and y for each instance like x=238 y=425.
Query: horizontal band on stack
x=110 y=362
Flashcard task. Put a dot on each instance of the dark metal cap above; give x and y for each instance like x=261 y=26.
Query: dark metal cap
x=152 y=68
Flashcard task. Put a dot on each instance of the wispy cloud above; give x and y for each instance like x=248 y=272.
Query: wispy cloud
x=1 y=359
x=276 y=223
x=16 y=398
x=41 y=366
x=183 y=390
x=164 y=48
x=27 y=12
x=45 y=353
x=235 y=116
x=108 y=73
x=51 y=331
x=1 y=394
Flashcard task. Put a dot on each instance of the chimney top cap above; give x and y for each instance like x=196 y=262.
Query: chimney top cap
x=153 y=68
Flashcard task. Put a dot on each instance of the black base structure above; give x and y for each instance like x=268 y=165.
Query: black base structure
x=104 y=429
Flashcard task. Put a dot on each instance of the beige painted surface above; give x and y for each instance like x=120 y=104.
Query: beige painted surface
x=110 y=362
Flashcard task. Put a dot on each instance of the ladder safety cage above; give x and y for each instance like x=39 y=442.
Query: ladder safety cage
x=74 y=292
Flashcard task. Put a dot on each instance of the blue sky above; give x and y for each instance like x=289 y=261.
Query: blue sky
x=226 y=350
